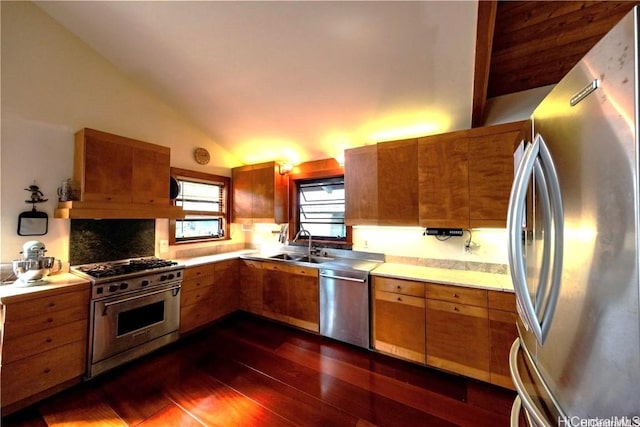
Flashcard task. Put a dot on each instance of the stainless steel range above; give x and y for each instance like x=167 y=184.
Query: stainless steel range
x=135 y=309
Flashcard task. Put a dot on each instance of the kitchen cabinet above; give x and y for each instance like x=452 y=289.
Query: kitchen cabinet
x=195 y=297
x=458 y=330
x=304 y=307
x=491 y=172
x=117 y=169
x=361 y=185
x=443 y=180
x=503 y=331
x=290 y=295
x=398 y=182
x=226 y=293
x=250 y=286
x=45 y=345
x=275 y=291
x=119 y=177
x=399 y=318
x=260 y=194
x=209 y=292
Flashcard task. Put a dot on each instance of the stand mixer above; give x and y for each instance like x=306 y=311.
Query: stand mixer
x=34 y=266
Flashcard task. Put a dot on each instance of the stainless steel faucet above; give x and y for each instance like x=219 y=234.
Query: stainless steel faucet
x=299 y=233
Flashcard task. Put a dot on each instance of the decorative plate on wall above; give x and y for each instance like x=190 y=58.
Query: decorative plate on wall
x=201 y=155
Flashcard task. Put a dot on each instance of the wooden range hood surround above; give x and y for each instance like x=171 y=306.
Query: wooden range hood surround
x=119 y=178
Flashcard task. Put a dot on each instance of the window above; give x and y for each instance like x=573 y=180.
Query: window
x=321 y=208
x=203 y=198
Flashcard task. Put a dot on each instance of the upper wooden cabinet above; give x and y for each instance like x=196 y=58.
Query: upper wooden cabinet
x=361 y=185
x=381 y=184
x=443 y=180
x=398 y=182
x=458 y=179
x=112 y=168
x=259 y=194
x=119 y=177
x=491 y=171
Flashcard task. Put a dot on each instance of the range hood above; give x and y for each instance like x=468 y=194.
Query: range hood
x=109 y=210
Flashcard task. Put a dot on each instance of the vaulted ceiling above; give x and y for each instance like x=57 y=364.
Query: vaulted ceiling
x=299 y=80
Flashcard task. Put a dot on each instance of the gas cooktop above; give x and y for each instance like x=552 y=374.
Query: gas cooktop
x=124 y=267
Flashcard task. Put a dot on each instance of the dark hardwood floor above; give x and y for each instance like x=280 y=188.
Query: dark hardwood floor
x=246 y=371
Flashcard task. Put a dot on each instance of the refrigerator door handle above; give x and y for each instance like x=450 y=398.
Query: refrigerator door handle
x=515 y=214
x=531 y=410
x=558 y=236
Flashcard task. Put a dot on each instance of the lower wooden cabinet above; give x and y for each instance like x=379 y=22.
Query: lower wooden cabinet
x=250 y=286
x=209 y=291
x=503 y=331
x=45 y=345
x=290 y=294
x=464 y=330
x=399 y=318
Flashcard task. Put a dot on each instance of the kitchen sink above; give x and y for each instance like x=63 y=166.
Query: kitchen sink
x=313 y=259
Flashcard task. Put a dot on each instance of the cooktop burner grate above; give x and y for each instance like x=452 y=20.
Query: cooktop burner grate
x=120 y=268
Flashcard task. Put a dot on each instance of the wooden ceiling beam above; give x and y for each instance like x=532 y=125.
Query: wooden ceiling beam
x=484 y=42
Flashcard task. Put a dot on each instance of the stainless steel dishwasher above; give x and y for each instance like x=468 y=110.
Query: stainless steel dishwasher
x=344 y=306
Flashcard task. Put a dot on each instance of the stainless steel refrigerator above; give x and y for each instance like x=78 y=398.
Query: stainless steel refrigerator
x=573 y=227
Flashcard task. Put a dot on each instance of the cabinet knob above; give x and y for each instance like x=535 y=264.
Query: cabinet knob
x=399 y=299
x=399 y=287
x=48 y=340
x=47 y=370
x=50 y=320
x=455 y=309
x=51 y=304
x=455 y=295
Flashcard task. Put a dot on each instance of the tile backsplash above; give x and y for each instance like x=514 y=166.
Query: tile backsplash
x=99 y=240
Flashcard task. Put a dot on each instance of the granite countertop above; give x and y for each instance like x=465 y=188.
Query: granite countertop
x=55 y=282
x=475 y=279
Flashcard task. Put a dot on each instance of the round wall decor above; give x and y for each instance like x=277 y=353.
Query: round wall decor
x=201 y=155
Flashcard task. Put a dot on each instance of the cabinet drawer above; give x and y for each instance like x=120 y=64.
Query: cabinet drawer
x=461 y=309
x=198 y=271
x=225 y=266
x=197 y=295
x=196 y=283
x=303 y=271
x=17 y=329
x=399 y=286
x=275 y=266
x=46 y=305
x=400 y=299
x=44 y=340
x=34 y=374
x=457 y=294
x=502 y=301
x=194 y=315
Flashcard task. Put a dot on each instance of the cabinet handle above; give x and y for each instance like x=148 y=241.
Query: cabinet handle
x=455 y=309
x=456 y=296
x=48 y=340
x=399 y=287
x=399 y=299
x=50 y=320
x=47 y=370
x=52 y=304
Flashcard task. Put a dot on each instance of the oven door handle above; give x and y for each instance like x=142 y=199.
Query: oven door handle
x=120 y=301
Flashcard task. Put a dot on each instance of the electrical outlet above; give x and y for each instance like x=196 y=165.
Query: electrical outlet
x=164 y=246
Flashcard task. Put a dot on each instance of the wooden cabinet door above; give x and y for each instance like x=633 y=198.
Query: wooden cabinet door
x=491 y=173
x=361 y=185
x=398 y=182
x=242 y=193
x=150 y=175
x=250 y=286
x=458 y=338
x=263 y=192
x=304 y=307
x=103 y=169
x=503 y=331
x=399 y=325
x=275 y=291
x=443 y=180
x=226 y=294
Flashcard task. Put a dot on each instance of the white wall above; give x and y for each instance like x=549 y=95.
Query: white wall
x=53 y=85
